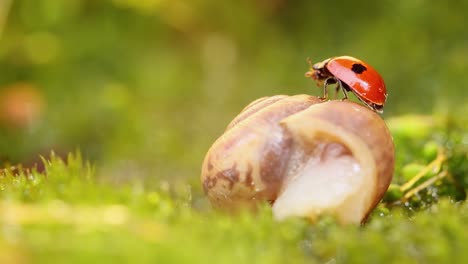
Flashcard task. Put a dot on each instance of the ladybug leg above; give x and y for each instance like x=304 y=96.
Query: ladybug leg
x=327 y=82
x=340 y=86
x=325 y=90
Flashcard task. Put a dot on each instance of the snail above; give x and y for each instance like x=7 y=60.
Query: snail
x=305 y=156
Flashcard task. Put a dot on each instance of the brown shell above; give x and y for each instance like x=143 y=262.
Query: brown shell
x=246 y=164
x=357 y=129
x=370 y=128
x=251 y=161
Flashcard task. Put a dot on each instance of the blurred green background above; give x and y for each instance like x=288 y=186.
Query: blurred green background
x=143 y=88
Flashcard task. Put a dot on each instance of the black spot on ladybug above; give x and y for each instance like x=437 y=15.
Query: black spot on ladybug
x=358 y=68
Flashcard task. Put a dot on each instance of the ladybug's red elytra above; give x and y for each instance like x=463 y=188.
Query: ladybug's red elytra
x=351 y=74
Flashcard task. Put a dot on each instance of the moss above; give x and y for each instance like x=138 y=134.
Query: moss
x=64 y=214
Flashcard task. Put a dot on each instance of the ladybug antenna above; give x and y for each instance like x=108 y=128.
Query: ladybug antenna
x=310 y=72
x=309 y=61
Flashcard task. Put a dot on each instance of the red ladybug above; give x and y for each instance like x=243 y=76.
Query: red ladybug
x=353 y=75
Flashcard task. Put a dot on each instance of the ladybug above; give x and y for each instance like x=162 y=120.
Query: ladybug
x=351 y=75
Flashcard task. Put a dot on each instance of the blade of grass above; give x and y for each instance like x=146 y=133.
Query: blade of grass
x=424 y=185
x=437 y=162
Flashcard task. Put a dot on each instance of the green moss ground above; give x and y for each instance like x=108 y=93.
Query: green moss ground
x=66 y=215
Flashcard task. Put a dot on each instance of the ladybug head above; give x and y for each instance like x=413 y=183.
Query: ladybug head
x=318 y=71
x=313 y=74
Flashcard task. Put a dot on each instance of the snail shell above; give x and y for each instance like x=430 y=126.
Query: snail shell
x=305 y=156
